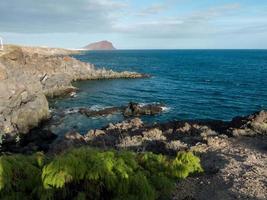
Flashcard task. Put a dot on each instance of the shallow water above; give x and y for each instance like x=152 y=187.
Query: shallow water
x=194 y=84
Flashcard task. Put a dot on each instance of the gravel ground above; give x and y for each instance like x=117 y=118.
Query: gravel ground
x=235 y=168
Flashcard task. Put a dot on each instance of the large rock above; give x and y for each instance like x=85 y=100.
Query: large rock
x=22 y=105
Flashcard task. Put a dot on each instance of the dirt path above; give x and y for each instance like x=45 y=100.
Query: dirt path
x=235 y=168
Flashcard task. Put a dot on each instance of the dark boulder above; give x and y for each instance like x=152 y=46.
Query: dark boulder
x=135 y=109
x=96 y=113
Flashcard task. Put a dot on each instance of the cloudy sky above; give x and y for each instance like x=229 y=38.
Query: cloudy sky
x=136 y=24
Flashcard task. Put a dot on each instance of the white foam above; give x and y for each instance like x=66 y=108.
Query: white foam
x=152 y=103
x=73 y=94
x=97 y=107
x=165 y=108
x=51 y=110
x=71 y=110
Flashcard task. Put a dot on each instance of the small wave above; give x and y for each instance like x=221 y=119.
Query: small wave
x=51 y=110
x=98 y=107
x=151 y=103
x=165 y=108
x=73 y=95
x=71 y=110
x=142 y=104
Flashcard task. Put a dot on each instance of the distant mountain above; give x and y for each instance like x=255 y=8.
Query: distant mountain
x=102 y=45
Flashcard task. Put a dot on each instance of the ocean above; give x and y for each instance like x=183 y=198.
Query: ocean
x=193 y=84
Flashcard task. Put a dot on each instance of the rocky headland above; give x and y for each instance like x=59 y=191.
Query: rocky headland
x=29 y=75
x=101 y=45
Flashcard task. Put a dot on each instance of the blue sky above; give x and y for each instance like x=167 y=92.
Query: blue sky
x=136 y=24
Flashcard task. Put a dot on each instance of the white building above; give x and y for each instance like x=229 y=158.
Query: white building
x=1 y=44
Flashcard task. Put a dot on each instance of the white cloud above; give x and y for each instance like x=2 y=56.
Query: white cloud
x=58 y=15
x=153 y=10
x=192 y=25
x=57 y=20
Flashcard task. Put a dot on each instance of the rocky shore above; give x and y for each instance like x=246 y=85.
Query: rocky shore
x=29 y=75
x=233 y=153
x=170 y=137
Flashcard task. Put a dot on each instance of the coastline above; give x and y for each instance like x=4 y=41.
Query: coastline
x=29 y=75
x=233 y=153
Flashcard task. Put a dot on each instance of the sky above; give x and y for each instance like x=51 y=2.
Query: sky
x=136 y=24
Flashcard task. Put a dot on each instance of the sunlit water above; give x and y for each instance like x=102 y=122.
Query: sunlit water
x=193 y=84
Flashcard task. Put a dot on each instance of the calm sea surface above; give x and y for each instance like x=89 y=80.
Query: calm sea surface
x=193 y=84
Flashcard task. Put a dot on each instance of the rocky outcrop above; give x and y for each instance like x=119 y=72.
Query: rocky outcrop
x=102 y=45
x=131 y=110
x=22 y=103
x=96 y=113
x=234 y=165
x=167 y=138
x=171 y=137
x=29 y=75
x=135 y=109
x=254 y=124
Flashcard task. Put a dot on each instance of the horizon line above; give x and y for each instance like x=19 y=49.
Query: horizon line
x=180 y=49
x=118 y=49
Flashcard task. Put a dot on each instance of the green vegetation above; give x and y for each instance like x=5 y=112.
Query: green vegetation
x=87 y=173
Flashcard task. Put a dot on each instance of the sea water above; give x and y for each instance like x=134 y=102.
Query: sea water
x=193 y=84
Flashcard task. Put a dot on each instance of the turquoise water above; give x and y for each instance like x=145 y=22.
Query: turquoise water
x=193 y=84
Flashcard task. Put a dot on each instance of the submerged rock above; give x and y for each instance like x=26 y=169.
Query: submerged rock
x=95 y=113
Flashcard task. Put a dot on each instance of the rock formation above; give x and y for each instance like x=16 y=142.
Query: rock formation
x=234 y=164
x=29 y=75
x=132 y=110
x=170 y=137
x=102 y=45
